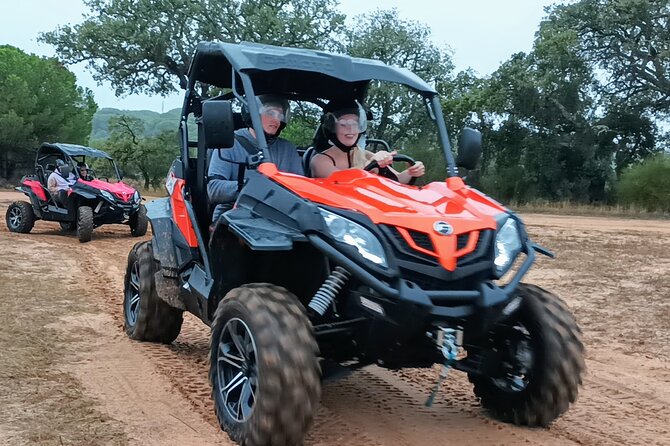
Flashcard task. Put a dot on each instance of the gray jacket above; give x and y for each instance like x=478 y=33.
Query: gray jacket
x=223 y=170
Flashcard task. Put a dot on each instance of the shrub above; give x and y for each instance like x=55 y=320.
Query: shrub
x=647 y=185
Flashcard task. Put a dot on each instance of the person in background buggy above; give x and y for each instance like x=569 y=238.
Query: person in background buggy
x=59 y=183
x=84 y=172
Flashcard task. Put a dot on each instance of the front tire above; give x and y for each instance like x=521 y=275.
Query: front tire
x=146 y=316
x=264 y=369
x=20 y=217
x=540 y=361
x=139 y=222
x=84 y=223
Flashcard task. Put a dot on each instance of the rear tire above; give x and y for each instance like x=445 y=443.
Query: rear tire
x=264 y=353
x=84 y=223
x=146 y=316
x=139 y=222
x=540 y=361
x=20 y=217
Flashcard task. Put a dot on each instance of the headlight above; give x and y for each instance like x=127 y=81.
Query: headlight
x=508 y=246
x=107 y=195
x=346 y=231
x=136 y=197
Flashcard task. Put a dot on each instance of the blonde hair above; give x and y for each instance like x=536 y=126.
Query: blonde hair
x=359 y=157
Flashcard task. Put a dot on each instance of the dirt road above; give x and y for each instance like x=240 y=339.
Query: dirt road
x=68 y=374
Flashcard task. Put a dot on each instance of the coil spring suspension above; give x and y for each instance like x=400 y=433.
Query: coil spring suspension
x=325 y=295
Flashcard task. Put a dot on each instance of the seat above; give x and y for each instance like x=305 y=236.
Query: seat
x=306 y=160
x=41 y=176
x=238 y=123
x=320 y=143
x=48 y=170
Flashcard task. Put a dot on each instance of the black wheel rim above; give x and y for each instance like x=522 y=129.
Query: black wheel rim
x=517 y=359
x=15 y=217
x=133 y=294
x=237 y=370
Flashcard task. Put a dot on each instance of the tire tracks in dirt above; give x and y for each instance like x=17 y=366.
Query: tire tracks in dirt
x=625 y=398
x=370 y=407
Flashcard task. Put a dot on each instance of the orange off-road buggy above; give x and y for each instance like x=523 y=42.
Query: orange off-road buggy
x=354 y=269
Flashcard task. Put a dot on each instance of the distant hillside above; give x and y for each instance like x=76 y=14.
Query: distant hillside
x=154 y=122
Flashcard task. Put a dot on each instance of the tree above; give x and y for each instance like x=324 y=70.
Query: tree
x=647 y=184
x=149 y=156
x=147 y=45
x=629 y=40
x=40 y=102
x=550 y=130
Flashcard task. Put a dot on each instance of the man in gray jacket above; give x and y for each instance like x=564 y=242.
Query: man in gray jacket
x=224 y=167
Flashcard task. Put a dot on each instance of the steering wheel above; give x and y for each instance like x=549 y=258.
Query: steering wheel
x=386 y=172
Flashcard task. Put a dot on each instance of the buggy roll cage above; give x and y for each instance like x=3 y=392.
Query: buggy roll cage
x=72 y=150
x=291 y=72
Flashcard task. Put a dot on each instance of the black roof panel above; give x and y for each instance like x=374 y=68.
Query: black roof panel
x=294 y=70
x=76 y=150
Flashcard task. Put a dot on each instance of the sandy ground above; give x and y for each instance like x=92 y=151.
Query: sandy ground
x=69 y=375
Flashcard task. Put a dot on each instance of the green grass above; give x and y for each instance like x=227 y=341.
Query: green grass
x=570 y=208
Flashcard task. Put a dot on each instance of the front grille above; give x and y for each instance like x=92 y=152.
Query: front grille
x=422 y=239
x=426 y=271
x=404 y=250
x=481 y=251
x=462 y=240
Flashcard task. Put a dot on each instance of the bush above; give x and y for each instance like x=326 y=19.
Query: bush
x=647 y=185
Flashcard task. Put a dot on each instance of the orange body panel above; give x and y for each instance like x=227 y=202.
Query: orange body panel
x=406 y=207
x=180 y=215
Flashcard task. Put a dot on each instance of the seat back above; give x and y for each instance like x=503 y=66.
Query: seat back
x=320 y=140
x=238 y=123
x=319 y=144
x=306 y=160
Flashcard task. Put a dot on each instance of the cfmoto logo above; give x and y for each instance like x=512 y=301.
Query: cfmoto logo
x=442 y=227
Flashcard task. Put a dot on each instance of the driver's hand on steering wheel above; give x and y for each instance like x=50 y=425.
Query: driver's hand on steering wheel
x=383 y=158
x=417 y=170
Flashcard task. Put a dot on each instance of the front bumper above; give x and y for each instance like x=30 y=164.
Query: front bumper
x=106 y=212
x=449 y=304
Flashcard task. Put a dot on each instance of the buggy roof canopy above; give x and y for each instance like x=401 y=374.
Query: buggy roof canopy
x=74 y=150
x=303 y=72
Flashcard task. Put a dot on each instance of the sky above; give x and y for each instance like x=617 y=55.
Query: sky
x=480 y=33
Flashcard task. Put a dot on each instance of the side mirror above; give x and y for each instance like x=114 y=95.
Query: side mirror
x=469 y=148
x=218 y=124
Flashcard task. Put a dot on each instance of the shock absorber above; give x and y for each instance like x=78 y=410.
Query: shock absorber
x=327 y=292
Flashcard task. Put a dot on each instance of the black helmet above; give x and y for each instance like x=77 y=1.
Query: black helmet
x=331 y=120
x=63 y=168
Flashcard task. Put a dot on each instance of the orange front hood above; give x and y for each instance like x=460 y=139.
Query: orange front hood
x=406 y=207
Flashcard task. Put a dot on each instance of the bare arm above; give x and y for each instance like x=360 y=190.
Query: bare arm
x=322 y=166
x=406 y=175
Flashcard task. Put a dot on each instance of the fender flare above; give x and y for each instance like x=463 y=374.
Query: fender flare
x=162 y=228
